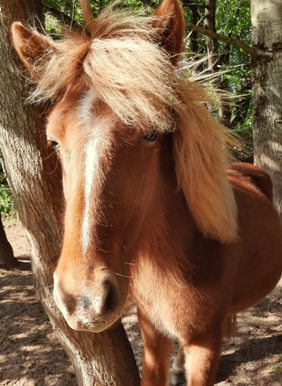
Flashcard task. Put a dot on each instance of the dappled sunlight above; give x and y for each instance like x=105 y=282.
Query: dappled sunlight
x=254 y=355
x=30 y=353
x=275 y=146
x=269 y=162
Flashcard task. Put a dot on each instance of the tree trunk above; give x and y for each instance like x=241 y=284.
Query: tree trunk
x=6 y=250
x=35 y=179
x=267 y=91
x=192 y=41
x=214 y=60
x=212 y=43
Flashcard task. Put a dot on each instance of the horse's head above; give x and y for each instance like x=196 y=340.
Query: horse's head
x=116 y=94
x=110 y=185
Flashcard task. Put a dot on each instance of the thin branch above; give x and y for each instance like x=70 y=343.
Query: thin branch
x=188 y=4
x=63 y=17
x=226 y=39
x=188 y=36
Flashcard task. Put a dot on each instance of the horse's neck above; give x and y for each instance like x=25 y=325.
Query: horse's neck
x=175 y=226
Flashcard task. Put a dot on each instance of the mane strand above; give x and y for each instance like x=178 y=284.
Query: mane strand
x=201 y=152
x=87 y=15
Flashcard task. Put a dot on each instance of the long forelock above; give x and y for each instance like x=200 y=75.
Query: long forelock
x=135 y=79
x=123 y=63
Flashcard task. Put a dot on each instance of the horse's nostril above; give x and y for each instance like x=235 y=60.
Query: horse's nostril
x=112 y=298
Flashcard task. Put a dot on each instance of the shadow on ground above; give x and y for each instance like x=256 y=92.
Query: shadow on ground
x=29 y=352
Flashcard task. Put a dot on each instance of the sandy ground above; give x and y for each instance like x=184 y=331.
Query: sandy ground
x=30 y=354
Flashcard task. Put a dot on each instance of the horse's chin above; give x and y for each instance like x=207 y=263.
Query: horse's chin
x=94 y=326
x=91 y=327
x=100 y=324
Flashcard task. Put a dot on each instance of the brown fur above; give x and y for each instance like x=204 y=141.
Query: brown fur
x=167 y=221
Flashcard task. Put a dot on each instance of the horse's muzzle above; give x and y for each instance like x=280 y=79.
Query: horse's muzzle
x=89 y=309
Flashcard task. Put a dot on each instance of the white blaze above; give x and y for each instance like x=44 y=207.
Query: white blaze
x=91 y=168
x=94 y=150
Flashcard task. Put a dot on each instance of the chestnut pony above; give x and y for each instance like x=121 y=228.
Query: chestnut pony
x=151 y=209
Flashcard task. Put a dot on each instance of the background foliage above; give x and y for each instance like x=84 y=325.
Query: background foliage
x=233 y=18
x=7 y=207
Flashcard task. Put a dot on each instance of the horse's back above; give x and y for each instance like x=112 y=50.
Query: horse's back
x=259 y=177
x=259 y=245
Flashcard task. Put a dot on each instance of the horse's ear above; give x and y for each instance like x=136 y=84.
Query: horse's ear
x=170 y=28
x=31 y=46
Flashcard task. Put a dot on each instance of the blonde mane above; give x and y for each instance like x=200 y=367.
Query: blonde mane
x=127 y=68
x=123 y=64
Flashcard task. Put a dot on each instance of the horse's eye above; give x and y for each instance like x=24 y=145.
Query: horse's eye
x=151 y=137
x=54 y=144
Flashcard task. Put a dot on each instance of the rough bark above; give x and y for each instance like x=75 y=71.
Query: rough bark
x=192 y=40
x=212 y=43
x=267 y=90
x=214 y=60
x=35 y=180
x=6 y=250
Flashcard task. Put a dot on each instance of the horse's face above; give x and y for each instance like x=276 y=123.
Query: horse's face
x=110 y=174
